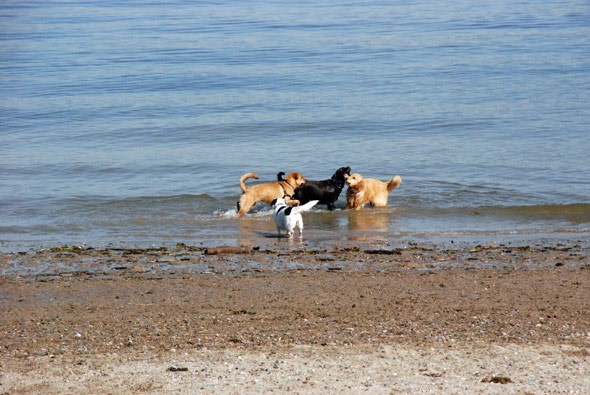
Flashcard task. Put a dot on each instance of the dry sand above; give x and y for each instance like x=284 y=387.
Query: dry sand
x=356 y=319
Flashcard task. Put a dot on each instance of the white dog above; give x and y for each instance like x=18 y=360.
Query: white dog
x=287 y=218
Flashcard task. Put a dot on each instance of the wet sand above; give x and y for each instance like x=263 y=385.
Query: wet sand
x=347 y=318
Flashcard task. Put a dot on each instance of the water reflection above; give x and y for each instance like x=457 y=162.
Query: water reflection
x=253 y=229
x=364 y=225
x=261 y=230
x=368 y=224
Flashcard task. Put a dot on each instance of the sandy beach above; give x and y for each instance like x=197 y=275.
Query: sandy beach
x=352 y=318
x=127 y=267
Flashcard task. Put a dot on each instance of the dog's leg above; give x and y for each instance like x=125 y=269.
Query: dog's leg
x=380 y=200
x=351 y=202
x=358 y=204
x=245 y=204
x=298 y=225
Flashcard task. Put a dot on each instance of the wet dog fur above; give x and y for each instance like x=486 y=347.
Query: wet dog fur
x=362 y=191
x=325 y=191
x=267 y=192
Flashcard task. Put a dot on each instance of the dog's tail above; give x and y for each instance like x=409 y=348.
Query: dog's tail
x=394 y=183
x=244 y=178
x=306 y=207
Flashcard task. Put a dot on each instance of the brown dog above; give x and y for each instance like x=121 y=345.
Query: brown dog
x=268 y=192
x=362 y=191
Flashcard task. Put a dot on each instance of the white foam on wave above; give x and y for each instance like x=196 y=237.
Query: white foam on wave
x=233 y=213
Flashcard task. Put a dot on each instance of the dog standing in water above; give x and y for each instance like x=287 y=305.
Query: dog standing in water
x=362 y=191
x=326 y=191
x=267 y=192
x=288 y=218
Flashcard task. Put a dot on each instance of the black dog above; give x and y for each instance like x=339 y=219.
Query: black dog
x=326 y=191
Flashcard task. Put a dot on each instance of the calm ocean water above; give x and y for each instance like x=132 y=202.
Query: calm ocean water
x=132 y=122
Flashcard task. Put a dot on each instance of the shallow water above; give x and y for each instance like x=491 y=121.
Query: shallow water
x=132 y=123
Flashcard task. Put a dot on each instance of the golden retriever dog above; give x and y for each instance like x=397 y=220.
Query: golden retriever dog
x=362 y=191
x=268 y=192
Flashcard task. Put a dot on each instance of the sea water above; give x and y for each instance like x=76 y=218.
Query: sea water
x=131 y=122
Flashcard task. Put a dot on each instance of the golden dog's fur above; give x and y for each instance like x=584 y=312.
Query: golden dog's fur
x=268 y=192
x=362 y=191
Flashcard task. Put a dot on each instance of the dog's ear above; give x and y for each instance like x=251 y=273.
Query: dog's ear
x=280 y=176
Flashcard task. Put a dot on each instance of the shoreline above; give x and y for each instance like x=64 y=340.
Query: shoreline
x=353 y=317
x=282 y=255
x=367 y=228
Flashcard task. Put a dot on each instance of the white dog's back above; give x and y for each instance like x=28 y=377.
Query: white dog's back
x=288 y=218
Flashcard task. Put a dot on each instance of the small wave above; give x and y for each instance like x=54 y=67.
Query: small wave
x=139 y=200
x=576 y=213
x=232 y=213
x=227 y=214
x=203 y=197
